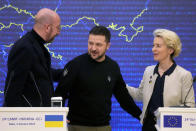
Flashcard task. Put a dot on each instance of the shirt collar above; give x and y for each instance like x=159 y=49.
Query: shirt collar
x=94 y=61
x=39 y=39
x=168 y=72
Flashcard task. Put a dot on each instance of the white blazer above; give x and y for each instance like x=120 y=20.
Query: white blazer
x=176 y=88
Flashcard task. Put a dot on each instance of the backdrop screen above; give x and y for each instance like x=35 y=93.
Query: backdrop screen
x=131 y=23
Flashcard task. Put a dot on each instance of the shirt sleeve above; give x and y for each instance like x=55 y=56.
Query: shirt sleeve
x=67 y=80
x=137 y=93
x=19 y=65
x=125 y=100
x=187 y=90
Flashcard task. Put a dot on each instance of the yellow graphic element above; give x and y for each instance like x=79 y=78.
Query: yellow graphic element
x=27 y=13
x=9 y=45
x=3 y=26
x=18 y=10
x=123 y=28
x=52 y=53
x=1 y=92
x=84 y=17
x=53 y=123
x=112 y=26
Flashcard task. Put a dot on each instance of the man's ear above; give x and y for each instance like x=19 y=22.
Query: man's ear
x=108 y=45
x=47 y=28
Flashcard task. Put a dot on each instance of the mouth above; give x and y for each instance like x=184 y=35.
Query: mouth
x=94 y=53
x=155 y=54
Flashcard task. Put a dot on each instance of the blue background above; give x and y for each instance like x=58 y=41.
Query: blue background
x=131 y=23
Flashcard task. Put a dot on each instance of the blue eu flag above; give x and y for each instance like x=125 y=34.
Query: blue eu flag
x=172 y=121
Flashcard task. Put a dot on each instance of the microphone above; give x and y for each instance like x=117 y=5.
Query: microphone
x=184 y=105
x=194 y=80
x=10 y=79
x=8 y=85
x=40 y=96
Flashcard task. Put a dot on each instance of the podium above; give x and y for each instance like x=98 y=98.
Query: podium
x=33 y=118
x=176 y=119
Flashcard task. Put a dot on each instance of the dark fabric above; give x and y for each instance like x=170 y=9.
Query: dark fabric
x=29 y=79
x=156 y=100
x=157 y=95
x=89 y=85
x=149 y=122
x=88 y=128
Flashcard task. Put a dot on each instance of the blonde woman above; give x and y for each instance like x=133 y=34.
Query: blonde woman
x=165 y=84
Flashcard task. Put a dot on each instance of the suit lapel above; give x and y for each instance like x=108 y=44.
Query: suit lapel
x=151 y=85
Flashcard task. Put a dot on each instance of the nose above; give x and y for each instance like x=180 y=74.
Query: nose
x=93 y=47
x=153 y=49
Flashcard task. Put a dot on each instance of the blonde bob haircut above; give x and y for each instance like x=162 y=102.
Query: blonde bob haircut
x=171 y=39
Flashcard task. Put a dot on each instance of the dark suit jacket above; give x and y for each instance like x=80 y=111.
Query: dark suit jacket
x=30 y=77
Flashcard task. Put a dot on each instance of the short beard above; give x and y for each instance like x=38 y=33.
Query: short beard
x=98 y=58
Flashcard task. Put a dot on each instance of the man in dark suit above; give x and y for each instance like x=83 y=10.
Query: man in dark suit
x=30 y=77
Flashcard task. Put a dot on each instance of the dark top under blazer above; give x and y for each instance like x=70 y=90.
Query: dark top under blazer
x=30 y=78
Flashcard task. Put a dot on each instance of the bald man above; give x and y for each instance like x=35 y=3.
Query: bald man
x=29 y=81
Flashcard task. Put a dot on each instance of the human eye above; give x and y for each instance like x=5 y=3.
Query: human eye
x=158 y=45
x=90 y=43
x=99 y=44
